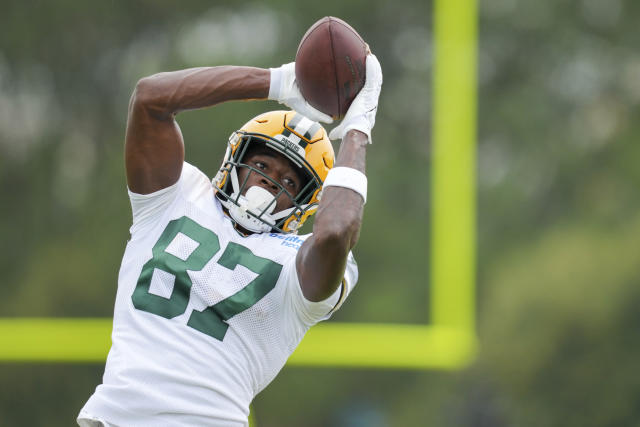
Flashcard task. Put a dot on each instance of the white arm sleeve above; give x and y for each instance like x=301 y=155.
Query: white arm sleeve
x=310 y=312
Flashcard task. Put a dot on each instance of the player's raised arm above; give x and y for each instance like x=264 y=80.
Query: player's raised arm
x=322 y=258
x=154 y=150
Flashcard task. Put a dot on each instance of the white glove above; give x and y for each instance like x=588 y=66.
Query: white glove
x=285 y=90
x=362 y=112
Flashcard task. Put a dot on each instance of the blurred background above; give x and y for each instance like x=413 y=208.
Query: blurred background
x=558 y=279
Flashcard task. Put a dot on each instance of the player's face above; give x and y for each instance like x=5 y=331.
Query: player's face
x=278 y=168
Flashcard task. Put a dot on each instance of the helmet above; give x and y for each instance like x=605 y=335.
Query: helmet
x=302 y=141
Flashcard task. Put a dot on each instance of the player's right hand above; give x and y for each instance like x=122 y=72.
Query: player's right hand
x=285 y=90
x=362 y=112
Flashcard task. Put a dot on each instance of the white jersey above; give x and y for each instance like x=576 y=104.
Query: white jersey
x=204 y=317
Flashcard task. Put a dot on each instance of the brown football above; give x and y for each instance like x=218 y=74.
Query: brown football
x=330 y=65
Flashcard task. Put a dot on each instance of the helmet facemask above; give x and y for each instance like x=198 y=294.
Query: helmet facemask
x=254 y=210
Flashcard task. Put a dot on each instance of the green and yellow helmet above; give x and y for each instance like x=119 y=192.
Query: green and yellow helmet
x=304 y=142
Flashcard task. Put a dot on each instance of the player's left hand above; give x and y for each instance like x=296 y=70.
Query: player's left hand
x=362 y=112
x=285 y=90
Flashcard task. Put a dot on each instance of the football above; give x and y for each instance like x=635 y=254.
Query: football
x=330 y=66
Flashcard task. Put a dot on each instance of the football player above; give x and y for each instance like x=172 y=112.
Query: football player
x=216 y=290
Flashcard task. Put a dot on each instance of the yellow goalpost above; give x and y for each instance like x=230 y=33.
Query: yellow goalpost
x=448 y=341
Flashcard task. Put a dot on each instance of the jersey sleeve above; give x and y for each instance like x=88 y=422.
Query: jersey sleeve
x=147 y=209
x=310 y=312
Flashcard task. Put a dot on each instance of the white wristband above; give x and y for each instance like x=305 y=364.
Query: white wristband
x=347 y=178
x=274 y=84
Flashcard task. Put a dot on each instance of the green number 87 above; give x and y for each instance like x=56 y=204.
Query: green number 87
x=211 y=320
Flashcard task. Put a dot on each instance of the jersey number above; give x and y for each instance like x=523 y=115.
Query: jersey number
x=211 y=320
